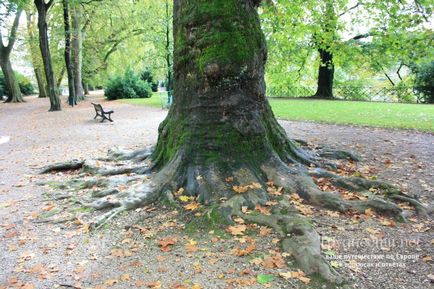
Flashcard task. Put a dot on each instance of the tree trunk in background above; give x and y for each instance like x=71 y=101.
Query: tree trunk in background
x=14 y=93
x=72 y=98
x=12 y=86
x=35 y=54
x=86 y=88
x=169 y=77
x=41 y=82
x=46 y=55
x=326 y=73
x=76 y=51
x=324 y=42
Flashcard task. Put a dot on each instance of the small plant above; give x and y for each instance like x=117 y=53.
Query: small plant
x=127 y=86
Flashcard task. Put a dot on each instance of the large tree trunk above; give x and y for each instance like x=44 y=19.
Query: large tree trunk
x=14 y=93
x=72 y=99
x=46 y=55
x=220 y=114
x=77 y=51
x=326 y=73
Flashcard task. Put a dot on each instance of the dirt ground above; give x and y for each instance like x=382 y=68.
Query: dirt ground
x=371 y=251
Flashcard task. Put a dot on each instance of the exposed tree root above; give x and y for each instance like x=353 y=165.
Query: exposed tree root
x=128 y=184
x=66 y=166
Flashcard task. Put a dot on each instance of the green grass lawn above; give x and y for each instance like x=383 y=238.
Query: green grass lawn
x=376 y=114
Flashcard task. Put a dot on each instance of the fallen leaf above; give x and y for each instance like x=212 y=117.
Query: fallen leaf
x=237 y=229
x=166 y=242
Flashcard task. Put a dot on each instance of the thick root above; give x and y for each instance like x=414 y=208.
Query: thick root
x=298 y=235
x=65 y=166
x=119 y=154
x=357 y=184
x=125 y=186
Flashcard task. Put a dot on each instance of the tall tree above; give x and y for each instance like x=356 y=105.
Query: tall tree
x=323 y=41
x=5 y=61
x=72 y=99
x=44 y=46
x=35 y=53
x=77 y=49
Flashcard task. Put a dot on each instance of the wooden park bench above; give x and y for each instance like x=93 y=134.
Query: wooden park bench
x=101 y=113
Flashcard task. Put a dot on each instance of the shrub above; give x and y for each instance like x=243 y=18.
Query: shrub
x=149 y=78
x=424 y=84
x=127 y=86
x=26 y=86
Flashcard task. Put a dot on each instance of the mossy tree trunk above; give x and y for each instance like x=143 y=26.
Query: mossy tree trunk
x=220 y=116
x=14 y=93
x=44 y=46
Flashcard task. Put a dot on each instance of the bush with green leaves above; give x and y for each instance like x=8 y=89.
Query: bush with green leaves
x=424 y=83
x=128 y=85
x=26 y=86
x=149 y=78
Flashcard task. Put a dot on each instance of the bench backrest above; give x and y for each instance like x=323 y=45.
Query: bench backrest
x=98 y=107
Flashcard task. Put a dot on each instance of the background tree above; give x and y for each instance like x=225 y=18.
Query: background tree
x=5 y=55
x=34 y=52
x=72 y=98
x=77 y=48
x=334 y=36
x=44 y=46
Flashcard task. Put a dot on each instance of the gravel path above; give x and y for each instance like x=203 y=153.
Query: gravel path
x=42 y=255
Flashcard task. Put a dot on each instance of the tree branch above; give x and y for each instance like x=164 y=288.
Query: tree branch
x=49 y=4
x=14 y=29
x=349 y=9
x=398 y=71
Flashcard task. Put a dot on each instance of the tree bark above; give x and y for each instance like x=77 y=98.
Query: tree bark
x=72 y=98
x=76 y=51
x=220 y=114
x=14 y=93
x=326 y=72
x=46 y=55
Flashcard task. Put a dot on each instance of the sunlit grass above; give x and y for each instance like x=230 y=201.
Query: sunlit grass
x=375 y=114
